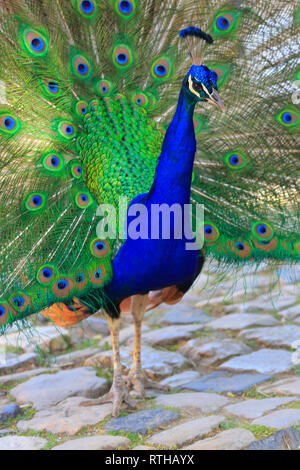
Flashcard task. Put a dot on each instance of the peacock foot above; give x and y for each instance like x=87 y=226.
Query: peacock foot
x=118 y=394
x=138 y=381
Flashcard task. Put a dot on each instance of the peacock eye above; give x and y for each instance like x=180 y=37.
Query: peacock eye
x=197 y=86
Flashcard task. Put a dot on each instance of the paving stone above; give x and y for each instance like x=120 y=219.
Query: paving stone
x=155 y=362
x=290 y=313
x=250 y=409
x=238 y=321
x=297 y=320
x=19 y=362
x=286 y=439
x=180 y=379
x=264 y=361
x=289 y=386
x=232 y=439
x=74 y=358
x=48 y=339
x=142 y=421
x=49 y=389
x=265 y=303
x=226 y=382
x=9 y=411
x=187 y=432
x=8 y=379
x=144 y=448
x=205 y=402
x=22 y=443
x=284 y=335
x=289 y=274
x=6 y=432
x=210 y=351
x=280 y=419
x=67 y=417
x=170 y=335
x=183 y=317
x=95 y=443
x=88 y=329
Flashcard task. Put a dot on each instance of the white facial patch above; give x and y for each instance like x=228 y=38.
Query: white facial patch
x=191 y=87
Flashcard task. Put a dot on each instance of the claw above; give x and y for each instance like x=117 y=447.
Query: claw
x=117 y=395
x=138 y=381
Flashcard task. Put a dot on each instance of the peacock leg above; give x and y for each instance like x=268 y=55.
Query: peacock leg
x=136 y=377
x=119 y=391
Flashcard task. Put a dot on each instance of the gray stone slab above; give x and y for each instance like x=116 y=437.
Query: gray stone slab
x=290 y=313
x=8 y=379
x=289 y=386
x=205 y=402
x=209 y=351
x=142 y=421
x=74 y=358
x=95 y=443
x=155 y=362
x=232 y=439
x=284 y=335
x=187 y=432
x=264 y=361
x=280 y=419
x=250 y=409
x=49 y=389
x=226 y=382
x=297 y=320
x=286 y=439
x=9 y=411
x=22 y=443
x=176 y=380
x=183 y=317
x=88 y=329
x=19 y=362
x=238 y=321
x=67 y=417
x=289 y=274
x=48 y=339
x=170 y=335
x=267 y=303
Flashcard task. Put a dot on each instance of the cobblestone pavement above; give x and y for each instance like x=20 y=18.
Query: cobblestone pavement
x=228 y=351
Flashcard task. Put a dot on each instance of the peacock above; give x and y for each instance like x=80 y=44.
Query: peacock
x=108 y=103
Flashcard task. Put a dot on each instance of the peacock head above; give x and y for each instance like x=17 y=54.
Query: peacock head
x=200 y=84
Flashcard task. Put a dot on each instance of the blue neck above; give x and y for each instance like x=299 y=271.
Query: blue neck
x=172 y=182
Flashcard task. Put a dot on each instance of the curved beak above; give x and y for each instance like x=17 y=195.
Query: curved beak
x=215 y=99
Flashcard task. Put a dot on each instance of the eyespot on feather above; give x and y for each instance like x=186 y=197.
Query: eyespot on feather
x=81 y=108
x=125 y=8
x=224 y=22
x=81 y=66
x=288 y=118
x=83 y=200
x=235 y=161
x=266 y=245
x=210 y=232
x=104 y=87
x=240 y=248
x=122 y=56
x=51 y=87
x=9 y=124
x=53 y=162
x=45 y=275
x=100 y=248
x=76 y=169
x=98 y=276
x=140 y=99
x=81 y=280
x=62 y=287
x=20 y=302
x=4 y=312
x=35 y=43
x=35 y=201
x=262 y=230
x=161 y=68
x=67 y=130
x=87 y=8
